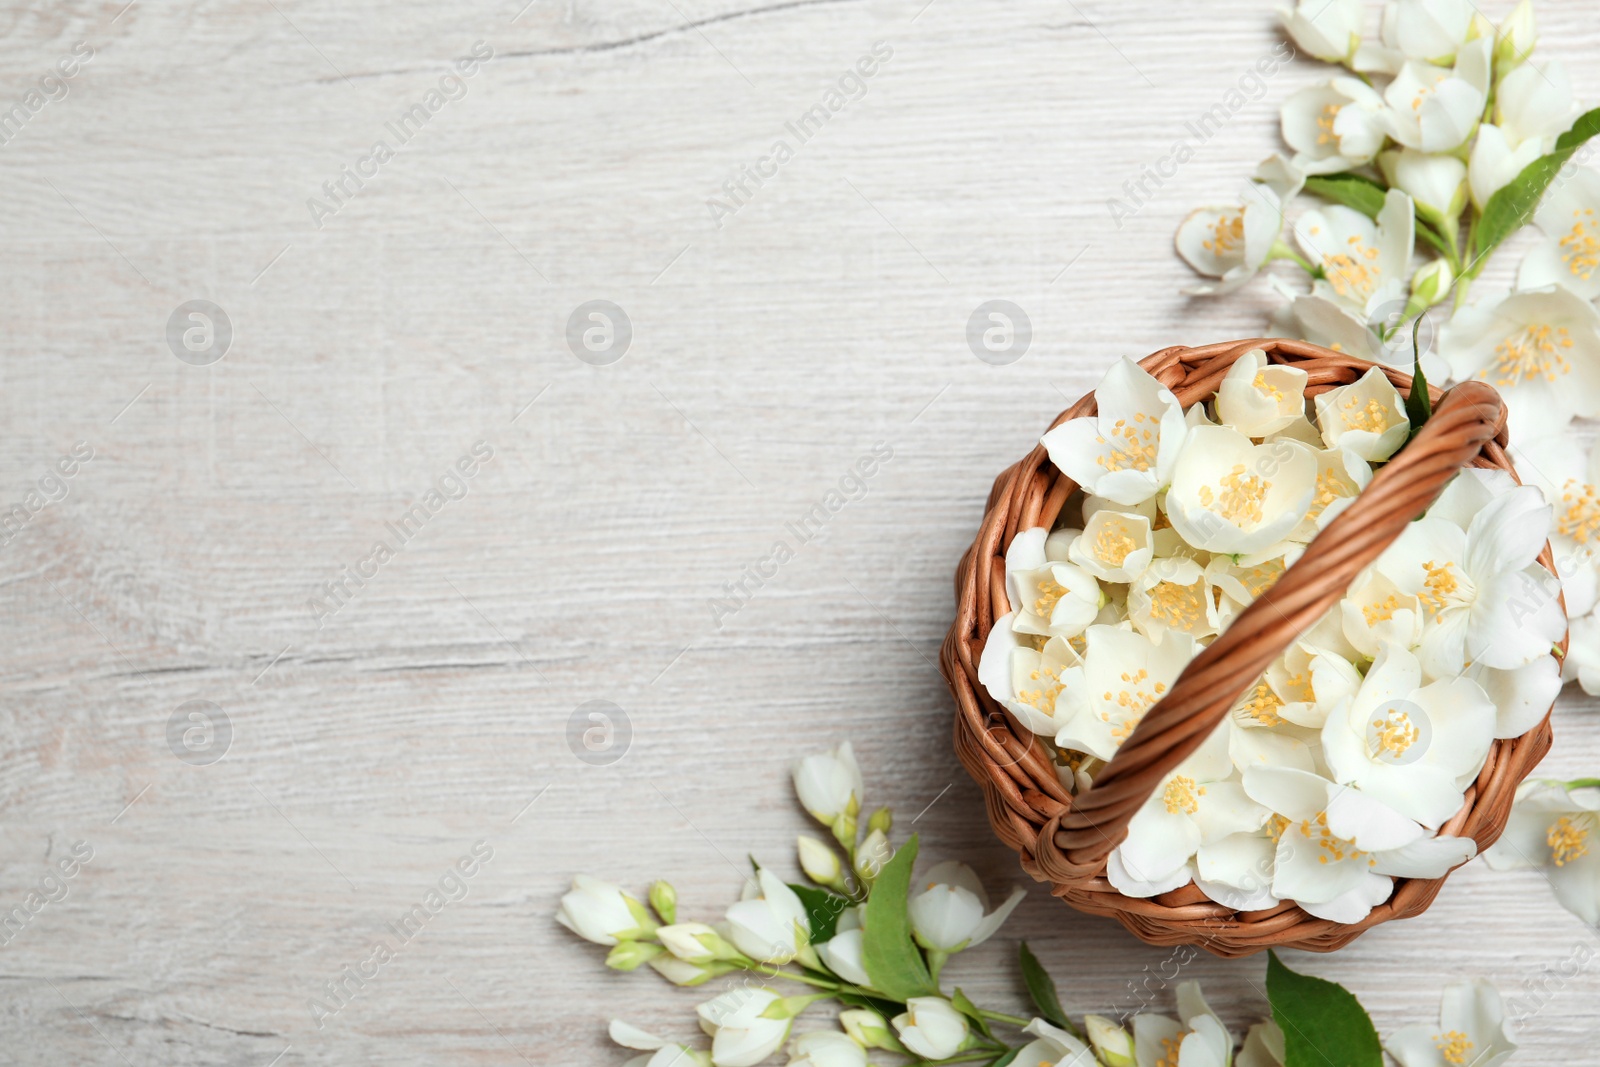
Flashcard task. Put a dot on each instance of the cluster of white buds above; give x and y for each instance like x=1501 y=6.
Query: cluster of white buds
x=872 y=945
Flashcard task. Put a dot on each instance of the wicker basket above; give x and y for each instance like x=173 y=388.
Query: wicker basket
x=1065 y=839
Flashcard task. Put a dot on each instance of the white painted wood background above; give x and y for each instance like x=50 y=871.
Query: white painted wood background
x=430 y=713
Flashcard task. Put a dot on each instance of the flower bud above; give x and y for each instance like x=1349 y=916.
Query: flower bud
x=696 y=943
x=826 y=1048
x=629 y=955
x=871 y=855
x=820 y=862
x=1437 y=184
x=829 y=784
x=1516 y=39
x=869 y=1028
x=1111 y=1042
x=601 y=912
x=1430 y=285
x=664 y=899
x=684 y=973
x=932 y=1028
x=882 y=819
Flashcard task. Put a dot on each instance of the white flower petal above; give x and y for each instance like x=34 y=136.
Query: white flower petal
x=1353 y=904
x=1522 y=696
x=629 y=1036
x=1428 y=857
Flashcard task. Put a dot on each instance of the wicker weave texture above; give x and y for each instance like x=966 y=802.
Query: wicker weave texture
x=1065 y=839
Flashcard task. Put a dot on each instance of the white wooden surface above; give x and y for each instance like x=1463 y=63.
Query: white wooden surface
x=432 y=712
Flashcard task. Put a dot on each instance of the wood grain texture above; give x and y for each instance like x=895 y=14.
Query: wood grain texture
x=371 y=751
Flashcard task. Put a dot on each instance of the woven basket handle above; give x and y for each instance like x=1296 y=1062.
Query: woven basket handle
x=1466 y=417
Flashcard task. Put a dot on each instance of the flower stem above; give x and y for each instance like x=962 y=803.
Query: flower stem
x=1001 y=1017
x=1283 y=251
x=810 y=980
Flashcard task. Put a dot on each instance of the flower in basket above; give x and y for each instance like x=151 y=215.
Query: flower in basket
x=1337 y=767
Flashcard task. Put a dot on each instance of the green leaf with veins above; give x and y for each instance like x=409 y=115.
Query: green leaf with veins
x=1323 y=1024
x=892 y=959
x=1419 y=404
x=965 y=1006
x=1513 y=207
x=1042 y=988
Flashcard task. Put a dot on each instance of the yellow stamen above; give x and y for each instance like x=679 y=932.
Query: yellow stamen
x=1331 y=849
x=1331 y=485
x=1394 y=734
x=1132 y=445
x=1439 y=585
x=1181 y=797
x=1050 y=594
x=1352 y=273
x=1043 y=698
x=1533 y=352
x=1298 y=686
x=1240 y=498
x=1325 y=134
x=1262 y=705
x=1371 y=417
x=1134 y=699
x=1579 y=514
x=1567 y=839
x=1180 y=606
x=1580 y=249
x=1453 y=1046
x=1227 y=233
x=1258 y=579
x=1112 y=544
x=1382 y=610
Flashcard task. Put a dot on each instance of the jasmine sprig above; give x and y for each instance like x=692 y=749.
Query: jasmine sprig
x=877 y=952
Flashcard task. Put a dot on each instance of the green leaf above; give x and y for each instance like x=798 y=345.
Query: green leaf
x=891 y=958
x=1419 y=405
x=1351 y=190
x=822 y=910
x=964 y=1005
x=1042 y=988
x=1323 y=1024
x=1512 y=207
x=1366 y=196
x=1007 y=1058
x=1583 y=127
